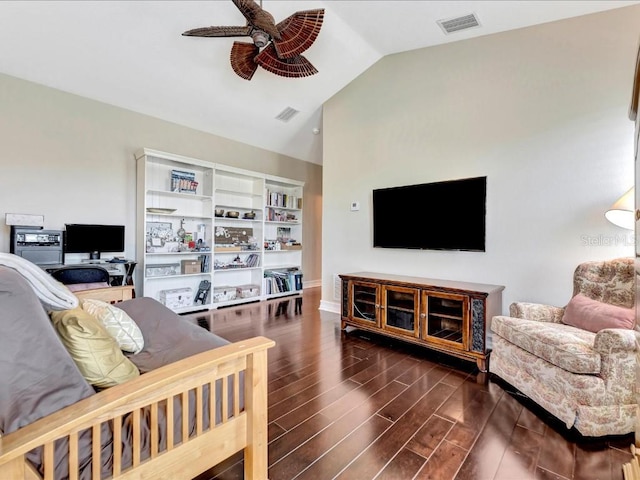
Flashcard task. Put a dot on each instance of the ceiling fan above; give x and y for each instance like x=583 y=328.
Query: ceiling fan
x=281 y=43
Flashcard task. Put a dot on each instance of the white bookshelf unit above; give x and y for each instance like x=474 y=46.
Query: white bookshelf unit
x=283 y=237
x=238 y=230
x=237 y=241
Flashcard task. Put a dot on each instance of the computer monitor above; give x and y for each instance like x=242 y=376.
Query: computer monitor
x=93 y=239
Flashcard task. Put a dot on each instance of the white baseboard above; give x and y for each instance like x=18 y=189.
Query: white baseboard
x=333 y=307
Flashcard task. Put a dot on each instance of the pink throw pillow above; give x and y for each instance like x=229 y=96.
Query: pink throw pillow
x=587 y=314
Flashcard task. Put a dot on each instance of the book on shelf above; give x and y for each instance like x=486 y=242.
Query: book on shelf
x=183 y=174
x=278 y=199
x=273 y=215
x=298 y=280
x=183 y=181
x=252 y=260
x=279 y=281
x=205 y=263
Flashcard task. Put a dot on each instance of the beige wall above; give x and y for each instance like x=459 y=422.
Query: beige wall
x=72 y=160
x=541 y=111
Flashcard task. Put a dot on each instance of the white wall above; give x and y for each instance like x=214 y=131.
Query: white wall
x=71 y=159
x=541 y=111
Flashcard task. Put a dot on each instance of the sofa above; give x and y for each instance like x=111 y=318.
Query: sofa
x=578 y=362
x=183 y=402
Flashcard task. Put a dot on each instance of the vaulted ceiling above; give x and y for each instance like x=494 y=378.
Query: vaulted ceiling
x=131 y=54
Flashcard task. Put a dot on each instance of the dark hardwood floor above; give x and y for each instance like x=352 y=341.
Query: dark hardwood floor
x=353 y=405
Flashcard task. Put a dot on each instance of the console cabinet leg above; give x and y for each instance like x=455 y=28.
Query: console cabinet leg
x=482 y=364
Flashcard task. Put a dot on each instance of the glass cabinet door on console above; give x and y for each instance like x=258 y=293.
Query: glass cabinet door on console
x=446 y=318
x=400 y=309
x=364 y=303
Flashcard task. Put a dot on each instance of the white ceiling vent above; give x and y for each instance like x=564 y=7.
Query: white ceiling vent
x=459 y=23
x=287 y=114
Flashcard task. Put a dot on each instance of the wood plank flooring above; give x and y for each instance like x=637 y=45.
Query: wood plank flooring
x=353 y=405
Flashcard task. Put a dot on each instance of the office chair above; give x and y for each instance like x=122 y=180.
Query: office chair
x=80 y=277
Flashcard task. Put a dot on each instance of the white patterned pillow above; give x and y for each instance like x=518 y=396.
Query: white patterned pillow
x=119 y=325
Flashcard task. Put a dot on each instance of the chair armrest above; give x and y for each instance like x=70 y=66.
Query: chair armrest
x=612 y=340
x=536 y=311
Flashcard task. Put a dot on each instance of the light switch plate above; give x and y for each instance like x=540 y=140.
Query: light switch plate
x=355 y=206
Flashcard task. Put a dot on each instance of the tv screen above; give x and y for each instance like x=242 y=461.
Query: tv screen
x=93 y=239
x=447 y=215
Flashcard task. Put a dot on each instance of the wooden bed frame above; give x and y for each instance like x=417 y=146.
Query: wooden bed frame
x=206 y=447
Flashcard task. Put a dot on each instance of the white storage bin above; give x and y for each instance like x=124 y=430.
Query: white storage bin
x=162 y=269
x=247 y=291
x=177 y=297
x=224 y=294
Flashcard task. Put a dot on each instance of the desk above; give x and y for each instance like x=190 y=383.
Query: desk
x=119 y=273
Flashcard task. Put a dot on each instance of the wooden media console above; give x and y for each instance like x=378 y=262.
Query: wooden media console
x=448 y=316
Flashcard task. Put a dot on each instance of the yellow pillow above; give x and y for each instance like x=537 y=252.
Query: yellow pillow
x=95 y=352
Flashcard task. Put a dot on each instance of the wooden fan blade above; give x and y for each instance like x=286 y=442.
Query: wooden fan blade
x=242 y=59
x=298 y=32
x=294 y=67
x=218 y=32
x=258 y=17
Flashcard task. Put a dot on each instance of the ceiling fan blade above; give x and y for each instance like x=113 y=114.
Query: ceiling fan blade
x=242 y=59
x=298 y=32
x=294 y=67
x=218 y=32
x=258 y=17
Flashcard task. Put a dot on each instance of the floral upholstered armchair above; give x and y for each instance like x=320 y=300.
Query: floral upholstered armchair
x=578 y=362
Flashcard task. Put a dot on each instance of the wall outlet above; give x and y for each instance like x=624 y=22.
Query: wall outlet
x=355 y=206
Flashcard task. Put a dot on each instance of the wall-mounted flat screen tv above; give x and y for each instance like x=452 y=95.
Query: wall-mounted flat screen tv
x=448 y=215
x=93 y=239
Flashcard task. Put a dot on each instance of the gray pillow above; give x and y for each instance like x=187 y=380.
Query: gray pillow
x=167 y=336
x=37 y=375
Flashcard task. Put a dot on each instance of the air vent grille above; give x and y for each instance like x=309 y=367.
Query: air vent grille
x=337 y=287
x=287 y=114
x=459 y=23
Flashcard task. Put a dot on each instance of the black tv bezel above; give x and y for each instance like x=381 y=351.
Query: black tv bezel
x=379 y=242
x=104 y=247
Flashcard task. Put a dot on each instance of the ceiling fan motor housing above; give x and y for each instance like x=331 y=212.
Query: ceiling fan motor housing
x=260 y=38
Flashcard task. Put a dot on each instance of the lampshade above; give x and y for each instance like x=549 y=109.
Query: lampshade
x=621 y=213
